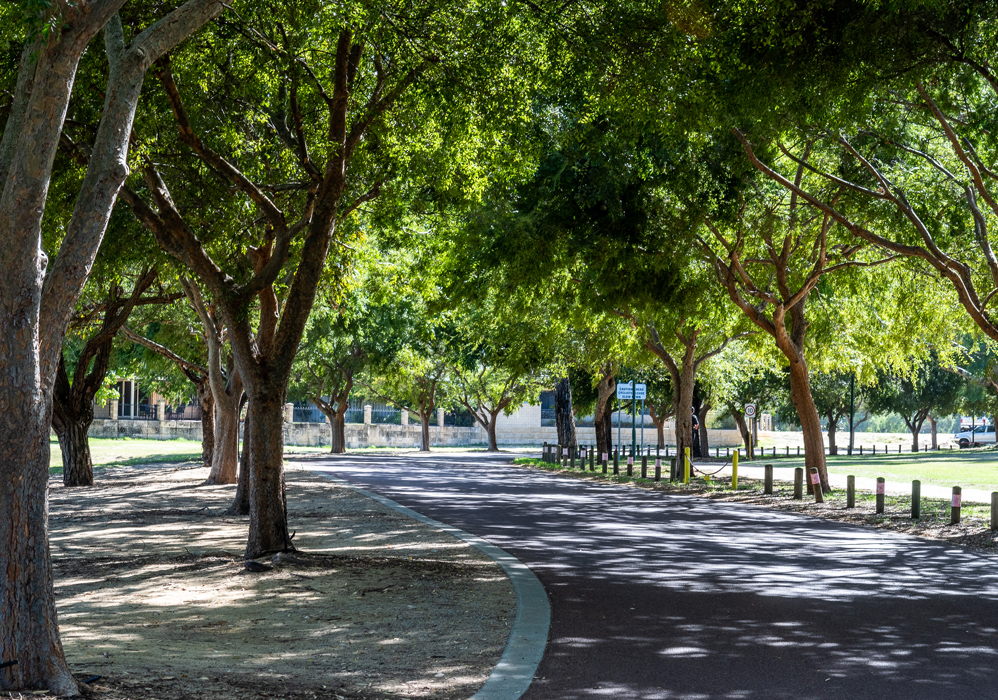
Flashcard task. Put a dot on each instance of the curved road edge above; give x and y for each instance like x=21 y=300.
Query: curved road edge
x=529 y=635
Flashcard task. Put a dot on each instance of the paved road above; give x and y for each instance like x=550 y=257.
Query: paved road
x=665 y=597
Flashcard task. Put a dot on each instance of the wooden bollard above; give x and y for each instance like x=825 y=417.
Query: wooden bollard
x=798 y=450
x=734 y=472
x=630 y=464
x=994 y=510
x=880 y=494
x=572 y=458
x=916 y=499
x=850 y=491
x=544 y=452
x=605 y=461
x=816 y=485
x=727 y=451
x=644 y=466
x=861 y=449
x=658 y=469
x=955 y=506
x=798 y=483
x=616 y=462
x=592 y=458
x=788 y=450
x=673 y=469
x=768 y=484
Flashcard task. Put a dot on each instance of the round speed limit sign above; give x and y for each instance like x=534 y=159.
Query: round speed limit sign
x=750 y=410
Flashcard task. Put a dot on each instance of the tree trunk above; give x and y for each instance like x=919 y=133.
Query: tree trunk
x=207 y=402
x=268 y=530
x=832 y=449
x=28 y=626
x=77 y=469
x=744 y=432
x=563 y=415
x=338 y=429
x=493 y=442
x=658 y=417
x=241 y=504
x=605 y=389
x=704 y=439
x=424 y=421
x=225 y=459
x=932 y=426
x=684 y=384
x=810 y=423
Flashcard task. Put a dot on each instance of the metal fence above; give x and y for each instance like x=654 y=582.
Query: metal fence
x=184 y=412
x=138 y=411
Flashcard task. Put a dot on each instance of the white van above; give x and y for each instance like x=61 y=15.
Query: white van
x=981 y=435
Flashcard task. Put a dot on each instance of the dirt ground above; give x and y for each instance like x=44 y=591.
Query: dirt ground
x=154 y=597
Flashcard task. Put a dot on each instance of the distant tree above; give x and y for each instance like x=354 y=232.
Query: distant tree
x=831 y=397
x=927 y=389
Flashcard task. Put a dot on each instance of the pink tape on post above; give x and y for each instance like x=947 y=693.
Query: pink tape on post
x=956 y=500
x=880 y=488
x=815 y=479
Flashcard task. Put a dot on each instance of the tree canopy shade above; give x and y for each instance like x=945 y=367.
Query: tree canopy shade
x=389 y=83
x=38 y=295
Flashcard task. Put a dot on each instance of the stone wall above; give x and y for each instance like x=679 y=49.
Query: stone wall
x=301 y=434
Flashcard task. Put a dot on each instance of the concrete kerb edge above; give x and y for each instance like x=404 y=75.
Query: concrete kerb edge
x=529 y=634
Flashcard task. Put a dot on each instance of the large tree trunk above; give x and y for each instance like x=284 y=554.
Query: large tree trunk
x=605 y=389
x=77 y=468
x=932 y=427
x=810 y=423
x=268 y=531
x=29 y=629
x=493 y=442
x=225 y=459
x=338 y=431
x=563 y=415
x=684 y=384
x=744 y=432
x=832 y=449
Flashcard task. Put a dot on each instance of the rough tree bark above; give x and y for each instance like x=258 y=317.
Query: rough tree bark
x=932 y=427
x=37 y=298
x=564 y=416
x=264 y=355
x=605 y=390
x=743 y=429
x=198 y=376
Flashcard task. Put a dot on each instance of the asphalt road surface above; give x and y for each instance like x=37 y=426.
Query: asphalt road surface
x=669 y=597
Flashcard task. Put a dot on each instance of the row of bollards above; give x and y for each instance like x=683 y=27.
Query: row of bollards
x=956 y=501
x=566 y=457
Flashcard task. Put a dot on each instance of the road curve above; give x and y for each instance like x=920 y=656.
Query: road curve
x=664 y=597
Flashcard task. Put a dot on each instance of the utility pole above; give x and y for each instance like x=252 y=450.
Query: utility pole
x=852 y=410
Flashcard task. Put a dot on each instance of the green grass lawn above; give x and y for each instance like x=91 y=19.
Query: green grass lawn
x=975 y=469
x=106 y=452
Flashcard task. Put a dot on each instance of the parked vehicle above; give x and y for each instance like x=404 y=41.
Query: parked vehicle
x=981 y=435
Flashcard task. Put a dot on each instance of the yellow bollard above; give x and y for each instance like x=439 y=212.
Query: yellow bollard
x=686 y=467
x=734 y=472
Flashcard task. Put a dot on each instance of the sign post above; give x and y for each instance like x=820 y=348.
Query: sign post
x=640 y=392
x=625 y=392
x=750 y=414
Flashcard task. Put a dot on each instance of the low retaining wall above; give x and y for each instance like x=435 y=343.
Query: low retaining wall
x=300 y=434
x=384 y=435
